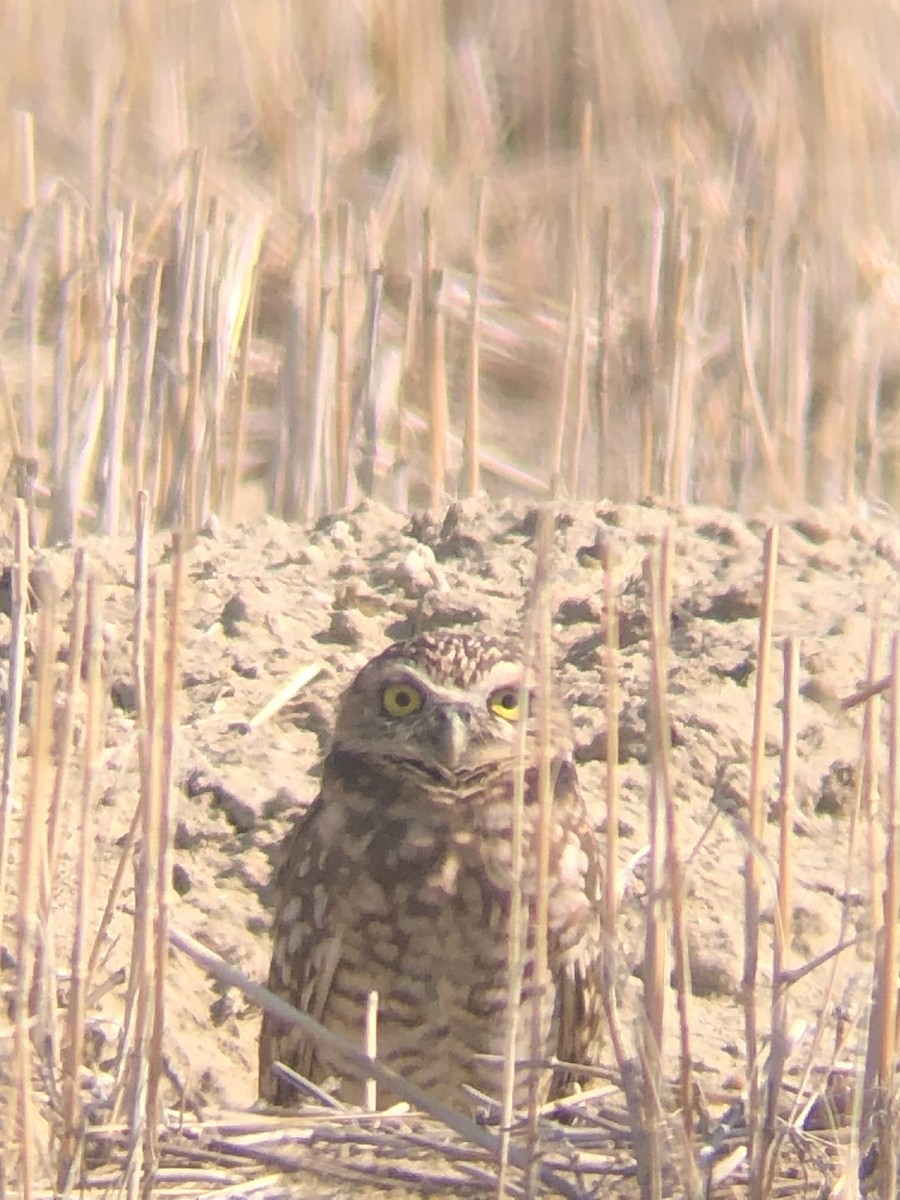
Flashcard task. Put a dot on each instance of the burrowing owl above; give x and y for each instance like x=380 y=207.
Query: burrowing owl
x=398 y=877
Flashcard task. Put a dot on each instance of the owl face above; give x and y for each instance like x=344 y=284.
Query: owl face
x=448 y=700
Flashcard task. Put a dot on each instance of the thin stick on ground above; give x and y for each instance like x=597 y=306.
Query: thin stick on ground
x=359 y=1065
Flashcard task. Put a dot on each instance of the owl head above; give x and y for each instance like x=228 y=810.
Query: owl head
x=449 y=700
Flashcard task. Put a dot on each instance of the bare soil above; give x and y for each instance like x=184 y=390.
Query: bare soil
x=264 y=601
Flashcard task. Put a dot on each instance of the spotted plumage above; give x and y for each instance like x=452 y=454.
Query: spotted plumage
x=398 y=878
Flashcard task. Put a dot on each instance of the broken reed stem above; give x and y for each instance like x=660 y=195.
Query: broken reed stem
x=139 y=640
x=73 y=1117
x=166 y=729
x=194 y=439
x=562 y=403
x=433 y=366
x=779 y=1041
x=871 y=770
x=140 y=983
x=887 y=972
x=518 y=928
x=611 y=687
x=876 y=858
x=318 y=474
x=678 y=419
x=751 y=859
x=370 y=1049
x=649 y=345
x=32 y=861
x=540 y=847
x=341 y=476
x=364 y=433
x=660 y=617
x=117 y=353
x=582 y=272
x=602 y=404
x=147 y=415
x=66 y=731
x=239 y=426
x=472 y=429
x=654 y=963
x=19 y=576
x=774 y=478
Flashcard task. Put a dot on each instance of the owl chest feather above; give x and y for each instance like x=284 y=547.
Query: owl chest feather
x=400 y=880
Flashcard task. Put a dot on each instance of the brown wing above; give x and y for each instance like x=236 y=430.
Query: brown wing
x=306 y=948
x=575 y=936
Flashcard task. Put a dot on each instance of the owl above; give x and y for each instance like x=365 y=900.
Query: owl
x=399 y=879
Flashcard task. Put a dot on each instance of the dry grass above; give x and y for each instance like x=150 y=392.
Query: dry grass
x=269 y=255
x=383 y=248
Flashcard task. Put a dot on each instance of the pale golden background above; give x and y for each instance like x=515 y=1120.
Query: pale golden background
x=689 y=234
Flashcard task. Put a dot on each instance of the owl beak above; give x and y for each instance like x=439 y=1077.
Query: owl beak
x=454 y=734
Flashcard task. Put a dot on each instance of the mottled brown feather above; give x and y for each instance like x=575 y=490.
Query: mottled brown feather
x=398 y=879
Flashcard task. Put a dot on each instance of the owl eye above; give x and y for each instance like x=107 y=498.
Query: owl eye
x=505 y=703
x=400 y=699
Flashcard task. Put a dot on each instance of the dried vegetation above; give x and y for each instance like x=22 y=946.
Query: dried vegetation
x=275 y=256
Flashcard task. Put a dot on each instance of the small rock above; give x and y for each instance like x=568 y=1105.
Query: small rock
x=123 y=694
x=283 y=803
x=233 y=614
x=710 y=974
x=739 y=672
x=313 y=717
x=212 y=528
x=814 y=529
x=822 y=692
x=349 y=568
x=187 y=837
x=181 y=880
x=438 y=611
x=311 y=555
x=632 y=745
x=238 y=812
x=418 y=574
x=356 y=593
x=223 y=1009
x=888 y=548
x=735 y=604
x=345 y=629
x=341 y=535
x=577 y=609
x=246 y=668
x=837 y=790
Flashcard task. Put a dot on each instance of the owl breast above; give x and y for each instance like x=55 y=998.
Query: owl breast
x=410 y=897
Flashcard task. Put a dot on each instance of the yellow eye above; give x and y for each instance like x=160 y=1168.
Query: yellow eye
x=400 y=699
x=505 y=703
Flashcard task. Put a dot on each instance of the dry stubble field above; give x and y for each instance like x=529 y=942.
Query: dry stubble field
x=265 y=264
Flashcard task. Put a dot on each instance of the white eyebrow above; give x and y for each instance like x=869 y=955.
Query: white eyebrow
x=502 y=674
